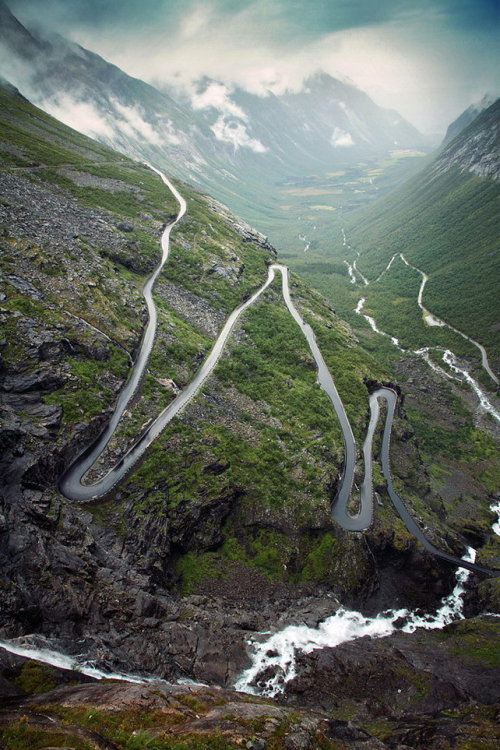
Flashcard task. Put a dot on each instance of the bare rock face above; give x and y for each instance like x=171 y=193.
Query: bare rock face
x=476 y=148
x=420 y=673
x=51 y=701
x=64 y=706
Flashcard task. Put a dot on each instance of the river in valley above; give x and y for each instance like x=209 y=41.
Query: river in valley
x=454 y=371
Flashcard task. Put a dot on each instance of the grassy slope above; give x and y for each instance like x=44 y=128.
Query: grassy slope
x=235 y=420
x=448 y=227
x=261 y=421
x=88 y=278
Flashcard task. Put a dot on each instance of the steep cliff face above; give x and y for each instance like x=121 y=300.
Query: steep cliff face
x=475 y=148
x=467 y=117
x=225 y=526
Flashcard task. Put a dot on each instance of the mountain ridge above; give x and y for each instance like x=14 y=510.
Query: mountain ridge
x=466 y=117
x=476 y=147
x=224 y=531
x=234 y=154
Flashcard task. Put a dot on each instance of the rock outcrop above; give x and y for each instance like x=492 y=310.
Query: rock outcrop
x=224 y=530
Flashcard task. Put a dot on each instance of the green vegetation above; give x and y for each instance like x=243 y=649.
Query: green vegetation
x=465 y=443
x=35 y=678
x=392 y=301
x=195 y=568
x=277 y=452
x=315 y=206
x=446 y=226
x=92 y=378
x=247 y=470
x=40 y=138
x=317 y=564
x=22 y=736
x=136 y=729
x=204 y=240
x=473 y=641
x=132 y=187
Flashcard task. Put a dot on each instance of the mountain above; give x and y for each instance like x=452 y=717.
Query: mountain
x=476 y=148
x=223 y=531
x=445 y=221
x=468 y=116
x=236 y=145
x=228 y=480
x=327 y=123
x=92 y=93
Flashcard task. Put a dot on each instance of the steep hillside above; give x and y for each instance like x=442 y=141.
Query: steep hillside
x=445 y=222
x=475 y=149
x=224 y=529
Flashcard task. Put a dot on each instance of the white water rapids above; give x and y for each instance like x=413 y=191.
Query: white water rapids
x=433 y=320
x=448 y=358
x=352 y=275
x=352 y=268
x=38 y=648
x=279 y=650
x=495 y=508
x=373 y=325
x=277 y=654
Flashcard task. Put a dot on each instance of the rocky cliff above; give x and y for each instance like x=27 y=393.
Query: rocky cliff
x=396 y=695
x=475 y=148
x=224 y=529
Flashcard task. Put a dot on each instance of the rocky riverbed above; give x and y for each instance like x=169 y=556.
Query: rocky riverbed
x=345 y=702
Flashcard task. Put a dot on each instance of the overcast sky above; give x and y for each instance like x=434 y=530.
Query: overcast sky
x=429 y=59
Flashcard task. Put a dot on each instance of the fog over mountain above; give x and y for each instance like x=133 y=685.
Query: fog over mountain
x=234 y=143
x=429 y=60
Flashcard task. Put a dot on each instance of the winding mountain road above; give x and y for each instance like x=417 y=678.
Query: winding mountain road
x=448 y=357
x=433 y=320
x=72 y=482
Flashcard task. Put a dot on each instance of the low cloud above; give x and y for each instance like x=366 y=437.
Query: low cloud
x=81 y=116
x=429 y=59
x=123 y=123
x=217 y=95
x=341 y=138
x=133 y=124
x=231 y=123
x=235 y=133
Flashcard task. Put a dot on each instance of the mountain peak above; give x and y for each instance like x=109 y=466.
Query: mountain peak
x=467 y=116
x=476 y=147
